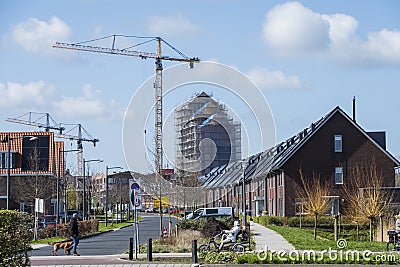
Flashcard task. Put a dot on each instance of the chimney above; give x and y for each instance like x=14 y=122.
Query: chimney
x=354 y=108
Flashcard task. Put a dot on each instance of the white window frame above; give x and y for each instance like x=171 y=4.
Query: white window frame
x=338 y=175
x=338 y=143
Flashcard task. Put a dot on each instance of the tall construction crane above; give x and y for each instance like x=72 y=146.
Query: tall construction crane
x=159 y=57
x=37 y=119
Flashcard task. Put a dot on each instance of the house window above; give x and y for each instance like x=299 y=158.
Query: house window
x=280 y=180
x=338 y=143
x=4 y=160
x=339 y=175
x=281 y=211
x=271 y=206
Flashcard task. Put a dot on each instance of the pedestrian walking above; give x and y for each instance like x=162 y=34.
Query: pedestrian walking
x=74 y=232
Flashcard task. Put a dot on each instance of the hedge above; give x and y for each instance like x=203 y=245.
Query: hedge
x=15 y=236
x=85 y=228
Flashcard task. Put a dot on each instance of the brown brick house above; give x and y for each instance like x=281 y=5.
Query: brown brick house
x=33 y=169
x=330 y=148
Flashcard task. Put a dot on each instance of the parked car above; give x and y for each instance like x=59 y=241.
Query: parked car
x=173 y=210
x=47 y=220
x=215 y=216
x=210 y=212
x=70 y=213
x=151 y=209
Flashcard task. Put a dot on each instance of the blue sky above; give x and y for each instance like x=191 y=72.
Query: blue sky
x=307 y=57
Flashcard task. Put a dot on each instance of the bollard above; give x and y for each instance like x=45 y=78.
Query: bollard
x=194 y=251
x=149 y=249
x=131 y=248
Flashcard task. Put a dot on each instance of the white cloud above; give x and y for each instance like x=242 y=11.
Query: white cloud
x=38 y=36
x=39 y=96
x=171 y=26
x=31 y=95
x=342 y=29
x=89 y=105
x=272 y=80
x=383 y=46
x=292 y=29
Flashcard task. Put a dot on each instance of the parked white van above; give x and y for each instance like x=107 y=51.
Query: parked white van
x=210 y=212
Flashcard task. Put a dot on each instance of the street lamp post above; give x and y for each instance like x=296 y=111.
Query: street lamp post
x=8 y=141
x=106 y=208
x=244 y=192
x=61 y=152
x=84 y=185
x=8 y=170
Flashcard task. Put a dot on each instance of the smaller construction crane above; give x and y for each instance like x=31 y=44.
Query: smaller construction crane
x=79 y=137
x=46 y=122
x=36 y=119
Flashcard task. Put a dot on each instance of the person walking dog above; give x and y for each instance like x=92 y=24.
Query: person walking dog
x=74 y=232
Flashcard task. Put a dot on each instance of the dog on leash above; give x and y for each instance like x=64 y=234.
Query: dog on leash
x=67 y=246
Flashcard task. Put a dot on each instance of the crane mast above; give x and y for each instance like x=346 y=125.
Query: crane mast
x=157 y=86
x=159 y=57
x=158 y=111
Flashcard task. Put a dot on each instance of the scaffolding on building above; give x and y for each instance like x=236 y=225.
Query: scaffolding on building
x=206 y=136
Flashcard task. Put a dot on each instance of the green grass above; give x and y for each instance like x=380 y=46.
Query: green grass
x=303 y=238
x=111 y=226
x=48 y=240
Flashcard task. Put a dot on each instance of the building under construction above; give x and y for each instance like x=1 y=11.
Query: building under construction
x=206 y=137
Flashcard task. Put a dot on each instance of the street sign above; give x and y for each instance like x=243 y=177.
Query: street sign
x=135 y=195
x=39 y=205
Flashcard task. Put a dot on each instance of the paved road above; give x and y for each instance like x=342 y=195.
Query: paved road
x=114 y=242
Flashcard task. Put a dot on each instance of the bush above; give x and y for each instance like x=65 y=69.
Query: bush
x=212 y=227
x=270 y=220
x=214 y=257
x=187 y=224
x=15 y=236
x=63 y=230
x=209 y=227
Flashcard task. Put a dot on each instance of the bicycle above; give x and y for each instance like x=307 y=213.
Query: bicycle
x=213 y=245
x=394 y=241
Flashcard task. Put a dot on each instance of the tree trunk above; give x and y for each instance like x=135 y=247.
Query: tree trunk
x=370 y=230
x=335 y=227
x=358 y=233
x=315 y=226
x=300 y=221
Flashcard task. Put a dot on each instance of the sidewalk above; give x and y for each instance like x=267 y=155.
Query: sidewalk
x=268 y=239
x=105 y=261
x=263 y=237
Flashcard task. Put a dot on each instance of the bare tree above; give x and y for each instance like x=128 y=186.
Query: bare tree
x=314 y=196
x=35 y=185
x=366 y=199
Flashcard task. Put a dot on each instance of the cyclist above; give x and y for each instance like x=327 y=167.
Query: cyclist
x=231 y=237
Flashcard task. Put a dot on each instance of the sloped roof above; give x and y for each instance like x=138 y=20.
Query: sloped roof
x=261 y=164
